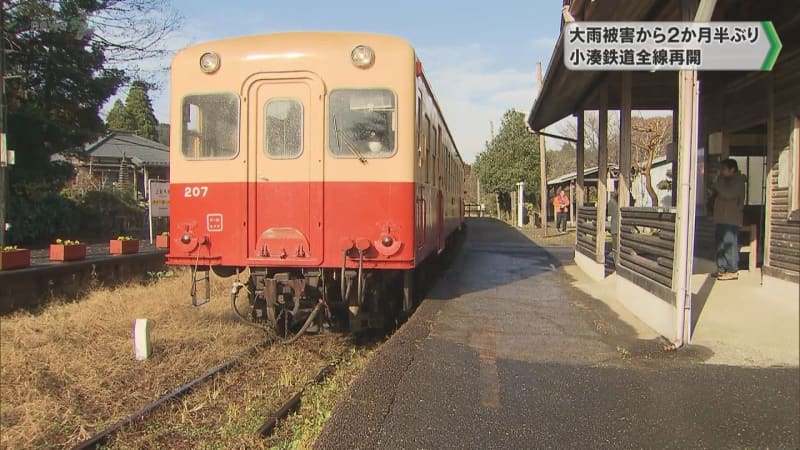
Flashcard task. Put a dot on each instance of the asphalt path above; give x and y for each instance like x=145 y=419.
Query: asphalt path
x=505 y=353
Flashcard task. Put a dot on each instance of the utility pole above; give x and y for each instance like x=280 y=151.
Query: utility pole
x=3 y=147
x=542 y=162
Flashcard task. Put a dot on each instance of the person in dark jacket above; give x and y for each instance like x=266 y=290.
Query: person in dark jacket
x=728 y=194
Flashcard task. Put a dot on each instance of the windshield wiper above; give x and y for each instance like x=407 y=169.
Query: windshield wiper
x=339 y=135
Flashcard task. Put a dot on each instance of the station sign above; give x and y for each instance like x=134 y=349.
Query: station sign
x=159 y=199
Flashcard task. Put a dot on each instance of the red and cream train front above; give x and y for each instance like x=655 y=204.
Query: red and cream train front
x=318 y=161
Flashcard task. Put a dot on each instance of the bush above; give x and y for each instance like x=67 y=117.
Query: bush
x=39 y=221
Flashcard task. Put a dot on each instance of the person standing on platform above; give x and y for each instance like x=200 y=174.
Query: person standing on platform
x=561 y=208
x=727 y=197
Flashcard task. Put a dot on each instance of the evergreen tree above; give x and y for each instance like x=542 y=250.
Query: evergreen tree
x=139 y=106
x=119 y=118
x=510 y=157
x=54 y=103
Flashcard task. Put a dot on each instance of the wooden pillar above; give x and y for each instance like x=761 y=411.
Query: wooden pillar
x=624 y=196
x=580 y=188
x=625 y=140
x=542 y=162
x=572 y=202
x=770 y=165
x=602 y=173
x=674 y=156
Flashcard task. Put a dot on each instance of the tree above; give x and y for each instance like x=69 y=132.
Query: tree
x=649 y=139
x=591 y=126
x=64 y=59
x=510 y=157
x=140 y=108
x=119 y=118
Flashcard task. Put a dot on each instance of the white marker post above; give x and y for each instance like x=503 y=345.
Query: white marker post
x=521 y=206
x=141 y=339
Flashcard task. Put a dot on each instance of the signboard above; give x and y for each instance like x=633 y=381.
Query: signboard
x=159 y=198
x=652 y=46
x=158 y=202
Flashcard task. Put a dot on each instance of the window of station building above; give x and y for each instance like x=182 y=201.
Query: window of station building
x=283 y=128
x=362 y=123
x=210 y=126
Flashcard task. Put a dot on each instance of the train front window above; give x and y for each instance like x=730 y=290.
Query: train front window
x=362 y=123
x=210 y=126
x=284 y=128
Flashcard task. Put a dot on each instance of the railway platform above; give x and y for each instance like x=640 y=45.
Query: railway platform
x=506 y=353
x=44 y=280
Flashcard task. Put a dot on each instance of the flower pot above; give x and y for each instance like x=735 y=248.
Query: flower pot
x=117 y=247
x=15 y=259
x=61 y=252
x=162 y=241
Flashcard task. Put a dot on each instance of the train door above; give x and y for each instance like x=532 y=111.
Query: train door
x=285 y=145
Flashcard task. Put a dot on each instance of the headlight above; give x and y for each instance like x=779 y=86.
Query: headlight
x=362 y=56
x=209 y=62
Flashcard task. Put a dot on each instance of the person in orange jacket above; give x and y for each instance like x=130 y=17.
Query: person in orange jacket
x=561 y=208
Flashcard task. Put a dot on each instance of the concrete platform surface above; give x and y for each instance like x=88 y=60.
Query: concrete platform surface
x=506 y=353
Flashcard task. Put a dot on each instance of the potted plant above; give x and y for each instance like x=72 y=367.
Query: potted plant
x=123 y=245
x=162 y=240
x=12 y=257
x=67 y=250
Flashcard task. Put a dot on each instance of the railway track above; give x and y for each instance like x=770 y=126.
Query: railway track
x=270 y=421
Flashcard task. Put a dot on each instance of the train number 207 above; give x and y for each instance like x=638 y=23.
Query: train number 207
x=195 y=191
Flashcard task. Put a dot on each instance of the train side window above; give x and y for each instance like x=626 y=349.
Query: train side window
x=362 y=123
x=427 y=148
x=283 y=128
x=210 y=126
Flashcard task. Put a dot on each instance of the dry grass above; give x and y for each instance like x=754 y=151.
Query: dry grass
x=553 y=238
x=300 y=430
x=69 y=372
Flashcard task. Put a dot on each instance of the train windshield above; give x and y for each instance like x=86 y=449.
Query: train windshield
x=362 y=123
x=210 y=126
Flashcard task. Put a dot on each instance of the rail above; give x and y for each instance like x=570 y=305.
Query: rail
x=647 y=243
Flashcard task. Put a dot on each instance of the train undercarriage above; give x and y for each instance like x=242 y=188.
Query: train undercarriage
x=292 y=301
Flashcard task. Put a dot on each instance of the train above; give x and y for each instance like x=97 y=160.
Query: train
x=317 y=164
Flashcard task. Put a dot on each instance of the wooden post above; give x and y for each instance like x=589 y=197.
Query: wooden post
x=770 y=165
x=624 y=196
x=542 y=162
x=580 y=187
x=675 y=156
x=625 y=140
x=602 y=173
x=572 y=202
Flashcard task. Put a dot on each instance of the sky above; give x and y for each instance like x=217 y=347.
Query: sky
x=479 y=56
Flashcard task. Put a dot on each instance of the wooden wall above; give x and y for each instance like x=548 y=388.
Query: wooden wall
x=784 y=244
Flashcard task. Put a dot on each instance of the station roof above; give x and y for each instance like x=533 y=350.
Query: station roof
x=566 y=91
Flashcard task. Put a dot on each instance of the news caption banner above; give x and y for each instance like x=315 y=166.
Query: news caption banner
x=654 y=46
